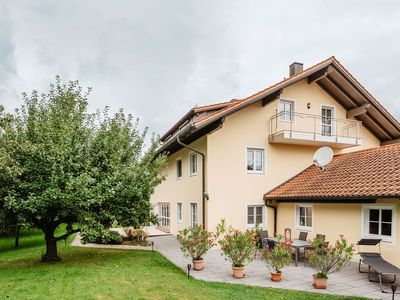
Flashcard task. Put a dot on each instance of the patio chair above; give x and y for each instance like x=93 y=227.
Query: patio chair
x=271 y=244
x=377 y=265
x=303 y=236
x=263 y=238
x=310 y=248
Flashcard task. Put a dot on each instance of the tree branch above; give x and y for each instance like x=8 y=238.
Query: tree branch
x=64 y=236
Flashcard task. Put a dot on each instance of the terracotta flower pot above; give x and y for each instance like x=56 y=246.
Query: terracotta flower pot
x=198 y=264
x=276 y=276
x=319 y=283
x=238 y=272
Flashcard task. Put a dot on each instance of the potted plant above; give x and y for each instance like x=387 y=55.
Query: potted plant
x=195 y=242
x=327 y=259
x=277 y=258
x=238 y=247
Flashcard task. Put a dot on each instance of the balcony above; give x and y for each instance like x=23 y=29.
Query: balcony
x=313 y=130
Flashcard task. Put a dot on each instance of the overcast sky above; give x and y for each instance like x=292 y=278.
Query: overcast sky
x=157 y=59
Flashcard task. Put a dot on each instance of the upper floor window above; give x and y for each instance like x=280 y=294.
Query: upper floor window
x=379 y=222
x=286 y=110
x=304 y=216
x=179 y=169
x=255 y=160
x=193 y=163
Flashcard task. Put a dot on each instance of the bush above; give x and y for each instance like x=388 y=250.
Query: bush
x=278 y=257
x=195 y=241
x=237 y=246
x=327 y=259
x=94 y=235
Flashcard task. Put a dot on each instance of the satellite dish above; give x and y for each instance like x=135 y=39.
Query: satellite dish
x=322 y=157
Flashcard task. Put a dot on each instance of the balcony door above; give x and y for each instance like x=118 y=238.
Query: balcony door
x=164 y=214
x=193 y=214
x=327 y=115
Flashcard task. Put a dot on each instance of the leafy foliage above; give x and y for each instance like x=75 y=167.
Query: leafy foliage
x=195 y=241
x=61 y=164
x=326 y=259
x=278 y=257
x=237 y=246
x=101 y=237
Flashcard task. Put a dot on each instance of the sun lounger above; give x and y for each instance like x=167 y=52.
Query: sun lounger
x=376 y=264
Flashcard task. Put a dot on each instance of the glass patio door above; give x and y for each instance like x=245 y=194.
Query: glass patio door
x=193 y=214
x=164 y=213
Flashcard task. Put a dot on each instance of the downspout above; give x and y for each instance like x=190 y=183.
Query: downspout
x=268 y=204
x=203 y=173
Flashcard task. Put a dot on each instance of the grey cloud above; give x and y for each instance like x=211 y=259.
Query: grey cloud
x=157 y=59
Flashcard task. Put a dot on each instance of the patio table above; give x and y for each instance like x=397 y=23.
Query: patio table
x=296 y=245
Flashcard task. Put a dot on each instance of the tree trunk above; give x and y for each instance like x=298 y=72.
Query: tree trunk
x=17 y=236
x=51 y=247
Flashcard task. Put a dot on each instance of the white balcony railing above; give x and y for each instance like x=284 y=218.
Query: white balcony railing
x=314 y=128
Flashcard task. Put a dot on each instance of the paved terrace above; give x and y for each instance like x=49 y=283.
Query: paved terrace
x=347 y=282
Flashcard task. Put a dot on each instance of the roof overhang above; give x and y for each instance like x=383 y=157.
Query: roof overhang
x=332 y=199
x=332 y=77
x=328 y=200
x=187 y=135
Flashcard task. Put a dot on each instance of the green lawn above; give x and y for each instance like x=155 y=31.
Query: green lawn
x=111 y=274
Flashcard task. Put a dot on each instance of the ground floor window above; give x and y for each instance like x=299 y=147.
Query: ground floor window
x=304 y=216
x=379 y=221
x=255 y=215
x=193 y=214
x=179 y=212
x=164 y=214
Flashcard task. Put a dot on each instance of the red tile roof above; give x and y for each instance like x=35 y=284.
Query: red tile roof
x=265 y=91
x=288 y=81
x=362 y=174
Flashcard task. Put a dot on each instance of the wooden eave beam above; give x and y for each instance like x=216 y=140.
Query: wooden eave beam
x=357 y=111
x=376 y=123
x=396 y=141
x=342 y=93
x=271 y=97
x=320 y=74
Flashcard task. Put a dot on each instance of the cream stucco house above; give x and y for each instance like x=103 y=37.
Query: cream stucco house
x=250 y=161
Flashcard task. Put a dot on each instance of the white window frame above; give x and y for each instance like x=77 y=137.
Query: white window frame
x=163 y=209
x=179 y=212
x=263 y=224
x=191 y=173
x=365 y=221
x=176 y=168
x=297 y=217
x=283 y=117
x=333 y=125
x=195 y=220
x=254 y=161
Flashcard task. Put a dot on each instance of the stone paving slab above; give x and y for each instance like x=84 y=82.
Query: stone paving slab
x=348 y=282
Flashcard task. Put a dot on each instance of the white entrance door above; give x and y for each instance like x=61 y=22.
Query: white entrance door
x=193 y=214
x=164 y=213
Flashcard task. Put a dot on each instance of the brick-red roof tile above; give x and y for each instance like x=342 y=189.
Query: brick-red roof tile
x=367 y=173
